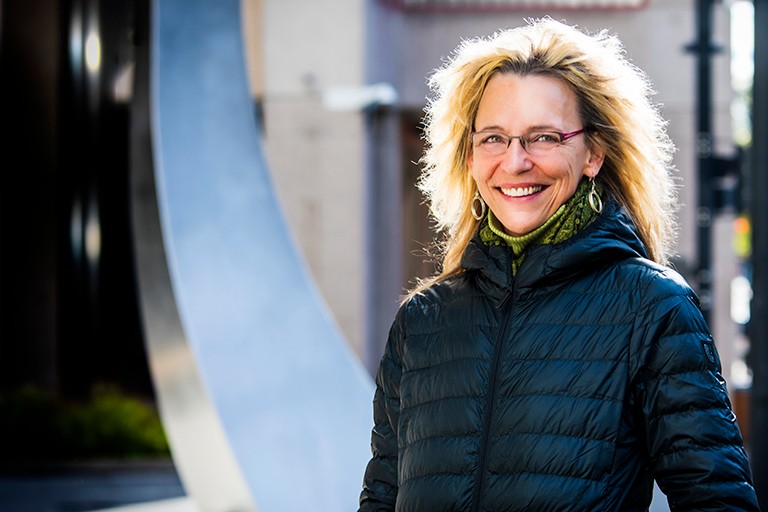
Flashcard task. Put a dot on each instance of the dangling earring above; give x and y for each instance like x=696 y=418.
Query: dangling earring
x=594 y=198
x=473 y=206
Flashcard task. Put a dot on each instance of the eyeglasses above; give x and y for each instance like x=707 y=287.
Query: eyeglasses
x=535 y=143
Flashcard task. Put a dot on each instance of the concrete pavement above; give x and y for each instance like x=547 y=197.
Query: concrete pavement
x=112 y=487
x=92 y=486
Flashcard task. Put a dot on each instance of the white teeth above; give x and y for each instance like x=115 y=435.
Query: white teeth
x=522 y=191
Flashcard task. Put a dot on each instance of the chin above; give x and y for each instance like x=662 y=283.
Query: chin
x=520 y=228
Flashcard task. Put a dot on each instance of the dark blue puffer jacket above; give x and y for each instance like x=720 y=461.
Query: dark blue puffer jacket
x=569 y=387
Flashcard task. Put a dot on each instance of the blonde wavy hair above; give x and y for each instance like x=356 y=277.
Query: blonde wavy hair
x=613 y=101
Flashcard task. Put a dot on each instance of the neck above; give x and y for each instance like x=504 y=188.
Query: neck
x=520 y=243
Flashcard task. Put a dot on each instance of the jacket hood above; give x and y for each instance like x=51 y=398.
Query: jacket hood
x=611 y=237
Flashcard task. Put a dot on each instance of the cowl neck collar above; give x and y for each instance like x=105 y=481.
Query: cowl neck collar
x=610 y=238
x=573 y=216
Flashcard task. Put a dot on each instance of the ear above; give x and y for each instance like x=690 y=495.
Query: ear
x=594 y=161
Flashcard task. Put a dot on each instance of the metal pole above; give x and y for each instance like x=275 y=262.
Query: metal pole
x=704 y=49
x=758 y=327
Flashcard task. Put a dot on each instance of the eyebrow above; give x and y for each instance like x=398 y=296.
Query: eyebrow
x=535 y=128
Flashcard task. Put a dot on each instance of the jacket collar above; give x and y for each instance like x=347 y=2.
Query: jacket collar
x=610 y=238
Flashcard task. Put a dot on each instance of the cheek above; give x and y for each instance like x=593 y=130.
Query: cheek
x=575 y=169
x=478 y=170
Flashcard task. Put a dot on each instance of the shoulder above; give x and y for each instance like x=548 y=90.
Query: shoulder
x=655 y=278
x=671 y=334
x=654 y=297
x=654 y=282
x=665 y=302
x=443 y=300
x=437 y=294
x=636 y=284
x=422 y=313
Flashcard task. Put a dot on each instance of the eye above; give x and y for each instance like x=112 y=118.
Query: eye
x=491 y=138
x=543 y=138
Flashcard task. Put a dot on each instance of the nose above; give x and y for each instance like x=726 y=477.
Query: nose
x=515 y=158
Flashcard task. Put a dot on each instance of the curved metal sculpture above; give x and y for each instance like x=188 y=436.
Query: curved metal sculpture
x=264 y=404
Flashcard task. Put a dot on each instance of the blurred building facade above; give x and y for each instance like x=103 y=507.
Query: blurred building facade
x=339 y=87
x=345 y=170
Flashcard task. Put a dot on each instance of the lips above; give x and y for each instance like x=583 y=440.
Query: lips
x=521 y=191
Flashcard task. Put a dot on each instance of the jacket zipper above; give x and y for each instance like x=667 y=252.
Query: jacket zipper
x=491 y=399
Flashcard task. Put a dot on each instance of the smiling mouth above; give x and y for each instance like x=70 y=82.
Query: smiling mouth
x=522 y=191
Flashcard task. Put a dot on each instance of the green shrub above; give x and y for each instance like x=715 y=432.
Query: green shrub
x=36 y=426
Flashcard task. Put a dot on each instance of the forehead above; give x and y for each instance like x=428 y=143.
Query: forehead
x=513 y=103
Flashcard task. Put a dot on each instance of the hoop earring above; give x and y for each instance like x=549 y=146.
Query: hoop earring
x=473 y=206
x=594 y=198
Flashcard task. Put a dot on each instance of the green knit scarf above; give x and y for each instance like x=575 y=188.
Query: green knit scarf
x=573 y=216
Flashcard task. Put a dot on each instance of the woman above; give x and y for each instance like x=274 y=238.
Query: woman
x=554 y=363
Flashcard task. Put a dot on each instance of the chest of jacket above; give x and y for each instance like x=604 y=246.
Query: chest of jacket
x=534 y=389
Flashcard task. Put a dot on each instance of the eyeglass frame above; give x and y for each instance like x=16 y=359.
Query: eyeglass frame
x=564 y=136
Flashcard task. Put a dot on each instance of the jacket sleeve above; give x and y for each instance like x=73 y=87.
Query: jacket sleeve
x=692 y=437
x=380 y=480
